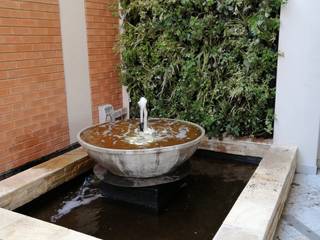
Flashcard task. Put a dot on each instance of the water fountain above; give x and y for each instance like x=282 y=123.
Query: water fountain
x=145 y=163
x=142 y=160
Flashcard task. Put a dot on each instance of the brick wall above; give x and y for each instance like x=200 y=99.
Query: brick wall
x=33 y=117
x=103 y=29
x=33 y=112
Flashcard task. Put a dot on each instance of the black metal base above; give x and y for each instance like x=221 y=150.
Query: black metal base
x=151 y=193
x=154 y=198
x=174 y=176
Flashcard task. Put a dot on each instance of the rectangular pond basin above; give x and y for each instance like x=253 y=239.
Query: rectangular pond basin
x=196 y=211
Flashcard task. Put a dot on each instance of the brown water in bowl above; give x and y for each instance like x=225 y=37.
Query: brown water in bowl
x=114 y=135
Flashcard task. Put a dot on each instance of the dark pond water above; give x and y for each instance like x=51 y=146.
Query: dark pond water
x=196 y=212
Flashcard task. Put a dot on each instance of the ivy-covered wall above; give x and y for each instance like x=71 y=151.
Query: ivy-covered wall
x=212 y=62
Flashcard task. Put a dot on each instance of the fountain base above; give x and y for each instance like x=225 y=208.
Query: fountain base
x=150 y=193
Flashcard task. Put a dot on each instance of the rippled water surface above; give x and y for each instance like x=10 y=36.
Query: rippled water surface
x=125 y=134
x=196 y=212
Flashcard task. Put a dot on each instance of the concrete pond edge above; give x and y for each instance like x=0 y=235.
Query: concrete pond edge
x=255 y=214
x=257 y=211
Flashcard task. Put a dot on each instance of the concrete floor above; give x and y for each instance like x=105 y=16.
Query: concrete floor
x=301 y=216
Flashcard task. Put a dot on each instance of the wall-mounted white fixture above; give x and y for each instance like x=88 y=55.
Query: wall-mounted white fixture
x=107 y=113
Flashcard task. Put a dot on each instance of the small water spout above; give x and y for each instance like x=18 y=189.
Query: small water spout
x=143 y=114
x=143 y=135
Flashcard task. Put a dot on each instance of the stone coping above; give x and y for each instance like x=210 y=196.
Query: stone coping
x=15 y=226
x=238 y=146
x=25 y=186
x=254 y=215
x=256 y=212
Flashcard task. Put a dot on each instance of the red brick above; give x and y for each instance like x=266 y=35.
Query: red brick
x=102 y=28
x=32 y=82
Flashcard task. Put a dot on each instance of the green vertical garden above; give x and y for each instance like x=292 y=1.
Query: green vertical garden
x=211 y=62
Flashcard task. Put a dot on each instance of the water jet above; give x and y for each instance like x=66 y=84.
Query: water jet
x=141 y=153
x=122 y=149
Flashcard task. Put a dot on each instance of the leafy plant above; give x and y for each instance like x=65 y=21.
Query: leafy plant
x=211 y=62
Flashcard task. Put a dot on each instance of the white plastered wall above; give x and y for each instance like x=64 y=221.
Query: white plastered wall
x=76 y=65
x=298 y=81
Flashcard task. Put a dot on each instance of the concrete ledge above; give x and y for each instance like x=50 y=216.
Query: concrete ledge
x=254 y=216
x=256 y=212
x=23 y=187
x=17 y=226
x=238 y=146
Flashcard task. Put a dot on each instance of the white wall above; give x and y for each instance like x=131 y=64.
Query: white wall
x=298 y=81
x=319 y=148
x=126 y=100
x=76 y=69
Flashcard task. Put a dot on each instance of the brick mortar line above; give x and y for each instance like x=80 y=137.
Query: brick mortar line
x=53 y=42
x=54 y=4
x=17 y=162
x=33 y=10
x=35 y=81
x=25 y=26
x=104 y=34
x=45 y=141
x=100 y=9
x=106 y=14
x=99 y=41
x=35 y=67
x=19 y=52
x=30 y=18
x=31 y=59
x=12 y=26
x=89 y=21
x=36 y=43
x=33 y=76
x=100 y=54
x=112 y=28
x=26 y=10
x=30 y=35
x=102 y=48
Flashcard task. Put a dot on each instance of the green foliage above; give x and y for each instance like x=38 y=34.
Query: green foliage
x=211 y=62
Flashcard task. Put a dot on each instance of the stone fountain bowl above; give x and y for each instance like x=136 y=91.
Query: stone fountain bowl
x=142 y=163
